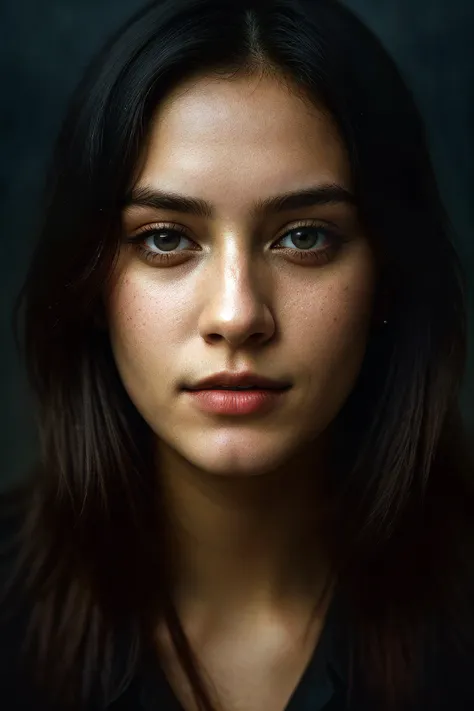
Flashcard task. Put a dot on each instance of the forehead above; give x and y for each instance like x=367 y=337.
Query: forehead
x=232 y=140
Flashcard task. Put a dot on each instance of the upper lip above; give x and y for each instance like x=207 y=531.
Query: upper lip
x=246 y=379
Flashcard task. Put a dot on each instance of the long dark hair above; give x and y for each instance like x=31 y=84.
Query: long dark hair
x=90 y=561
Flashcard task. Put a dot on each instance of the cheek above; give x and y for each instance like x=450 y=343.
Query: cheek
x=346 y=314
x=144 y=328
x=332 y=314
x=143 y=314
x=329 y=335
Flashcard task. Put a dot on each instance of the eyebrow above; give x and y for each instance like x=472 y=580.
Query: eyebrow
x=326 y=194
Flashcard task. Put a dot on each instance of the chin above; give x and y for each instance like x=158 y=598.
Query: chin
x=239 y=460
x=233 y=452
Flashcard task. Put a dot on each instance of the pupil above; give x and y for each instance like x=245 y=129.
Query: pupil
x=164 y=244
x=305 y=231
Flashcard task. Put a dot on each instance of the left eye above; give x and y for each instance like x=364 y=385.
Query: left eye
x=168 y=243
x=303 y=237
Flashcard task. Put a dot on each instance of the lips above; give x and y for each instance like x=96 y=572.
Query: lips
x=228 y=402
x=237 y=381
x=226 y=387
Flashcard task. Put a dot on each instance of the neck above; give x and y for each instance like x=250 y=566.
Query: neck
x=246 y=543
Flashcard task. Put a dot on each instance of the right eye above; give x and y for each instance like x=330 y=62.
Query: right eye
x=163 y=238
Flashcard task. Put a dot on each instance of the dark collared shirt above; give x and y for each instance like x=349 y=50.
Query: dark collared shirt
x=322 y=684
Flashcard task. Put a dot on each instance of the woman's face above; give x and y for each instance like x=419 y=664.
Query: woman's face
x=285 y=294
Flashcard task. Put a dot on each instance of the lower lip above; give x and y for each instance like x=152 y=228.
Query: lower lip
x=235 y=402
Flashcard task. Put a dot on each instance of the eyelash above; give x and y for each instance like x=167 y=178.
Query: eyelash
x=318 y=257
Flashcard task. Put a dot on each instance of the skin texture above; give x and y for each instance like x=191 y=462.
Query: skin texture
x=242 y=492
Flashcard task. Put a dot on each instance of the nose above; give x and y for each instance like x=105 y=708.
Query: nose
x=235 y=310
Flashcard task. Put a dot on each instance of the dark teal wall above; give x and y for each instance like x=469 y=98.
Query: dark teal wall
x=45 y=45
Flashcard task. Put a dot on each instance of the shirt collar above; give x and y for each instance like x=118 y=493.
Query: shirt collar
x=324 y=677
x=326 y=674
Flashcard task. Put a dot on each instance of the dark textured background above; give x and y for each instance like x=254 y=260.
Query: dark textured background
x=45 y=45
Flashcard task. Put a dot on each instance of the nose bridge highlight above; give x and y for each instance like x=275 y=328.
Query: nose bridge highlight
x=235 y=307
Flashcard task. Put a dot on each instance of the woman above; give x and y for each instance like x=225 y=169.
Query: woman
x=241 y=197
